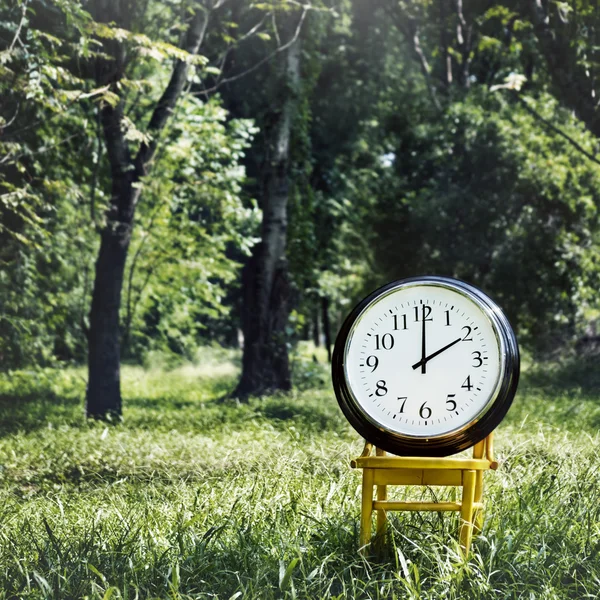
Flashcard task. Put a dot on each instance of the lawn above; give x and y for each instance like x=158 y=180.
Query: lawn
x=194 y=496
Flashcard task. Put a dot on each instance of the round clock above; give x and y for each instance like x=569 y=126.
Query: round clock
x=426 y=366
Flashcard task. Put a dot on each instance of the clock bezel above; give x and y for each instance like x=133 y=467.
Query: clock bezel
x=465 y=435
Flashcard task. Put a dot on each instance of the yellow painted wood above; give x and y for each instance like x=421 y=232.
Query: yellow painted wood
x=489 y=452
x=402 y=476
x=466 y=512
x=381 y=495
x=398 y=476
x=366 y=509
x=425 y=506
x=386 y=462
x=382 y=471
x=478 y=522
x=366 y=452
x=479 y=449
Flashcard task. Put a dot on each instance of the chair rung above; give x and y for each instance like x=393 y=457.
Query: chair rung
x=413 y=506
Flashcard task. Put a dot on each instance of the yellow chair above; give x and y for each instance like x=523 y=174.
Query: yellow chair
x=382 y=470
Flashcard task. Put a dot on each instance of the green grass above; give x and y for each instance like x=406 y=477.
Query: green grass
x=191 y=497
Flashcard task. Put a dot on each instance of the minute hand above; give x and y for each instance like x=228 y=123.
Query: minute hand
x=434 y=354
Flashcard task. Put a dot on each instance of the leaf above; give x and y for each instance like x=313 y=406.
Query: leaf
x=95 y=571
x=110 y=98
x=285 y=575
x=43 y=582
x=514 y=81
x=175 y=577
x=108 y=594
x=403 y=563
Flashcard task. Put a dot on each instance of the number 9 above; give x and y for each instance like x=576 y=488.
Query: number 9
x=372 y=363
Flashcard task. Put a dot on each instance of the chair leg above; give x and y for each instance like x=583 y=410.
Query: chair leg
x=466 y=513
x=381 y=514
x=366 y=509
x=479 y=498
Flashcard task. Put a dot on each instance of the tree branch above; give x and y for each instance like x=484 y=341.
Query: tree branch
x=11 y=120
x=555 y=129
x=261 y=62
x=418 y=50
x=558 y=45
x=464 y=34
x=95 y=172
x=407 y=24
x=21 y=23
x=164 y=108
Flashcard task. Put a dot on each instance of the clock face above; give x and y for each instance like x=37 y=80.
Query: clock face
x=422 y=362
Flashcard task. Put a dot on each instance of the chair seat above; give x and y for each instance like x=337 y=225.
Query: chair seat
x=414 y=462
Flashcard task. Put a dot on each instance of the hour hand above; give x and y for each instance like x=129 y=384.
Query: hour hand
x=425 y=360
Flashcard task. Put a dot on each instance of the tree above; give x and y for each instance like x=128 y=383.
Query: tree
x=127 y=172
x=266 y=287
x=42 y=121
x=566 y=34
x=189 y=231
x=479 y=186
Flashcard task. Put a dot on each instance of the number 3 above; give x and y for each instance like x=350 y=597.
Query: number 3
x=477 y=359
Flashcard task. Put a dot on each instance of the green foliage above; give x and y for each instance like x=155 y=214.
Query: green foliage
x=195 y=498
x=180 y=269
x=54 y=187
x=487 y=194
x=397 y=168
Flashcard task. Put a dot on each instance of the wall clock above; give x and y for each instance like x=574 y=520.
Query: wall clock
x=426 y=366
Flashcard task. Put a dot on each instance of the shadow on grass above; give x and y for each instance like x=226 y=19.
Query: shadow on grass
x=573 y=375
x=212 y=415
x=31 y=400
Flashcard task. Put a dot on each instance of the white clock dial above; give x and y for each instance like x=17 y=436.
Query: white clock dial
x=426 y=366
x=423 y=361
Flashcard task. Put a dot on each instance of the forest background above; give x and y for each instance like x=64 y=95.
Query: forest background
x=179 y=174
x=176 y=174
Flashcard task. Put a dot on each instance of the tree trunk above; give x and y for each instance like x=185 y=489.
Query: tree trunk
x=103 y=397
x=265 y=363
x=316 y=328
x=104 y=390
x=265 y=281
x=326 y=326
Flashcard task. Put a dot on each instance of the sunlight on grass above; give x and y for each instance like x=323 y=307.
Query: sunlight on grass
x=196 y=497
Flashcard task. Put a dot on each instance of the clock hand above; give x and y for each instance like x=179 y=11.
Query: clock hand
x=423 y=361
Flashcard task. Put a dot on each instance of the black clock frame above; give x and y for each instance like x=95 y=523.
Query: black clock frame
x=452 y=442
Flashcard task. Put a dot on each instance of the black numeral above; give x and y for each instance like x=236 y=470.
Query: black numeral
x=467 y=384
x=447 y=318
x=402 y=398
x=396 y=322
x=424 y=411
x=372 y=361
x=477 y=359
x=424 y=313
x=450 y=401
x=467 y=338
x=386 y=341
x=381 y=389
